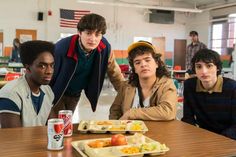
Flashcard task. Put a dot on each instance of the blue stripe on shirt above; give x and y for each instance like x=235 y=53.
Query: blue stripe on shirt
x=9 y=105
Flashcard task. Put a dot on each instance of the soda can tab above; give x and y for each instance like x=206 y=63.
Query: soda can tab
x=66 y=115
x=55 y=134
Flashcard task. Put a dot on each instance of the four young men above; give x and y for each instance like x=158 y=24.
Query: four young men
x=81 y=62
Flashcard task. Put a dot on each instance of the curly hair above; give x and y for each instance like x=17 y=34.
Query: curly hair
x=30 y=50
x=160 y=71
x=93 y=22
x=207 y=56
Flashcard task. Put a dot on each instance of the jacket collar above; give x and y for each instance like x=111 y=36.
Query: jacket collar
x=217 y=88
x=131 y=90
x=72 y=51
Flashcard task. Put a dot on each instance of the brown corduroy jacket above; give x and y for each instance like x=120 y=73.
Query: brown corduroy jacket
x=163 y=102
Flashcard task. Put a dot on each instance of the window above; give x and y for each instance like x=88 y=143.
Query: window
x=223 y=34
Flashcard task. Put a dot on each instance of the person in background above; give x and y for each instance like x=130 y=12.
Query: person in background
x=209 y=98
x=150 y=93
x=15 y=55
x=27 y=101
x=192 y=48
x=81 y=62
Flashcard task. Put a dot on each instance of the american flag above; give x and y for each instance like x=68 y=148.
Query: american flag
x=70 y=18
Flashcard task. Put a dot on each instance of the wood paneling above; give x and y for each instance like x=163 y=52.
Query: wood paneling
x=1 y=37
x=22 y=33
x=7 y=51
x=1 y=44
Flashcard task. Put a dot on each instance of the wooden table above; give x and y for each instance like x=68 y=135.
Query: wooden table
x=183 y=140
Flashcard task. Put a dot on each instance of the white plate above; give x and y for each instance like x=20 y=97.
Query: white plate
x=136 y=140
x=112 y=126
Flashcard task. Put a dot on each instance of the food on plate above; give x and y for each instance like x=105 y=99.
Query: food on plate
x=143 y=148
x=117 y=128
x=137 y=139
x=130 y=150
x=104 y=123
x=118 y=140
x=112 y=126
x=99 y=143
x=85 y=126
x=148 y=147
x=98 y=127
x=135 y=126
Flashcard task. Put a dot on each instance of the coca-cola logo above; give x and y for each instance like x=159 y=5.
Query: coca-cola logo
x=57 y=137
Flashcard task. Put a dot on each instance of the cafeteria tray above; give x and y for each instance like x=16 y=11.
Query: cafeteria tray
x=142 y=145
x=112 y=126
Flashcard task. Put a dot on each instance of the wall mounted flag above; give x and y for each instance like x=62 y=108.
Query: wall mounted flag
x=70 y=18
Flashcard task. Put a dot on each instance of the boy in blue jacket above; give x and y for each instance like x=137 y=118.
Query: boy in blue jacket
x=81 y=62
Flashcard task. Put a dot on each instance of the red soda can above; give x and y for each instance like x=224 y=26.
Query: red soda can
x=55 y=134
x=66 y=115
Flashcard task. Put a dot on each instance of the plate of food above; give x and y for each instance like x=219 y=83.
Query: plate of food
x=112 y=126
x=119 y=145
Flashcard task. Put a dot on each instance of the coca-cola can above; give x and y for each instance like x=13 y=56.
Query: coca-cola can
x=55 y=134
x=66 y=115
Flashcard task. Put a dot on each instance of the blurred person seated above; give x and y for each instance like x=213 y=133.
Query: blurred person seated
x=150 y=93
x=209 y=98
x=15 y=55
x=27 y=101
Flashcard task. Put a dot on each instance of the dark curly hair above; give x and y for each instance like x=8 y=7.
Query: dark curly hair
x=30 y=50
x=92 y=22
x=160 y=71
x=207 y=56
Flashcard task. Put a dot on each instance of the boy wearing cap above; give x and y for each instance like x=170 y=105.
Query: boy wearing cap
x=192 y=48
x=209 y=98
x=150 y=93
x=81 y=63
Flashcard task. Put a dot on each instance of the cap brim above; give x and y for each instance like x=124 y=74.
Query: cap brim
x=138 y=44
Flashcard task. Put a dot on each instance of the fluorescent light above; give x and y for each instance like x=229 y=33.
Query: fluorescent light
x=119 y=4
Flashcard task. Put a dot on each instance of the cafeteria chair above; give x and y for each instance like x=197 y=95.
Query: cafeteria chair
x=11 y=76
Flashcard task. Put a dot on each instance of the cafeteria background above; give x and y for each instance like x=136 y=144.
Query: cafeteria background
x=166 y=24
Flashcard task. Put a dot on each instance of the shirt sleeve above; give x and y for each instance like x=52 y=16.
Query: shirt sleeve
x=8 y=106
x=114 y=72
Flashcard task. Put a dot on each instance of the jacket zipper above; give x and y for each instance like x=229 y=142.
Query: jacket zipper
x=99 y=74
x=68 y=83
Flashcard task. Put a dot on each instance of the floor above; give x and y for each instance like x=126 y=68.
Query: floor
x=107 y=96
x=84 y=111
